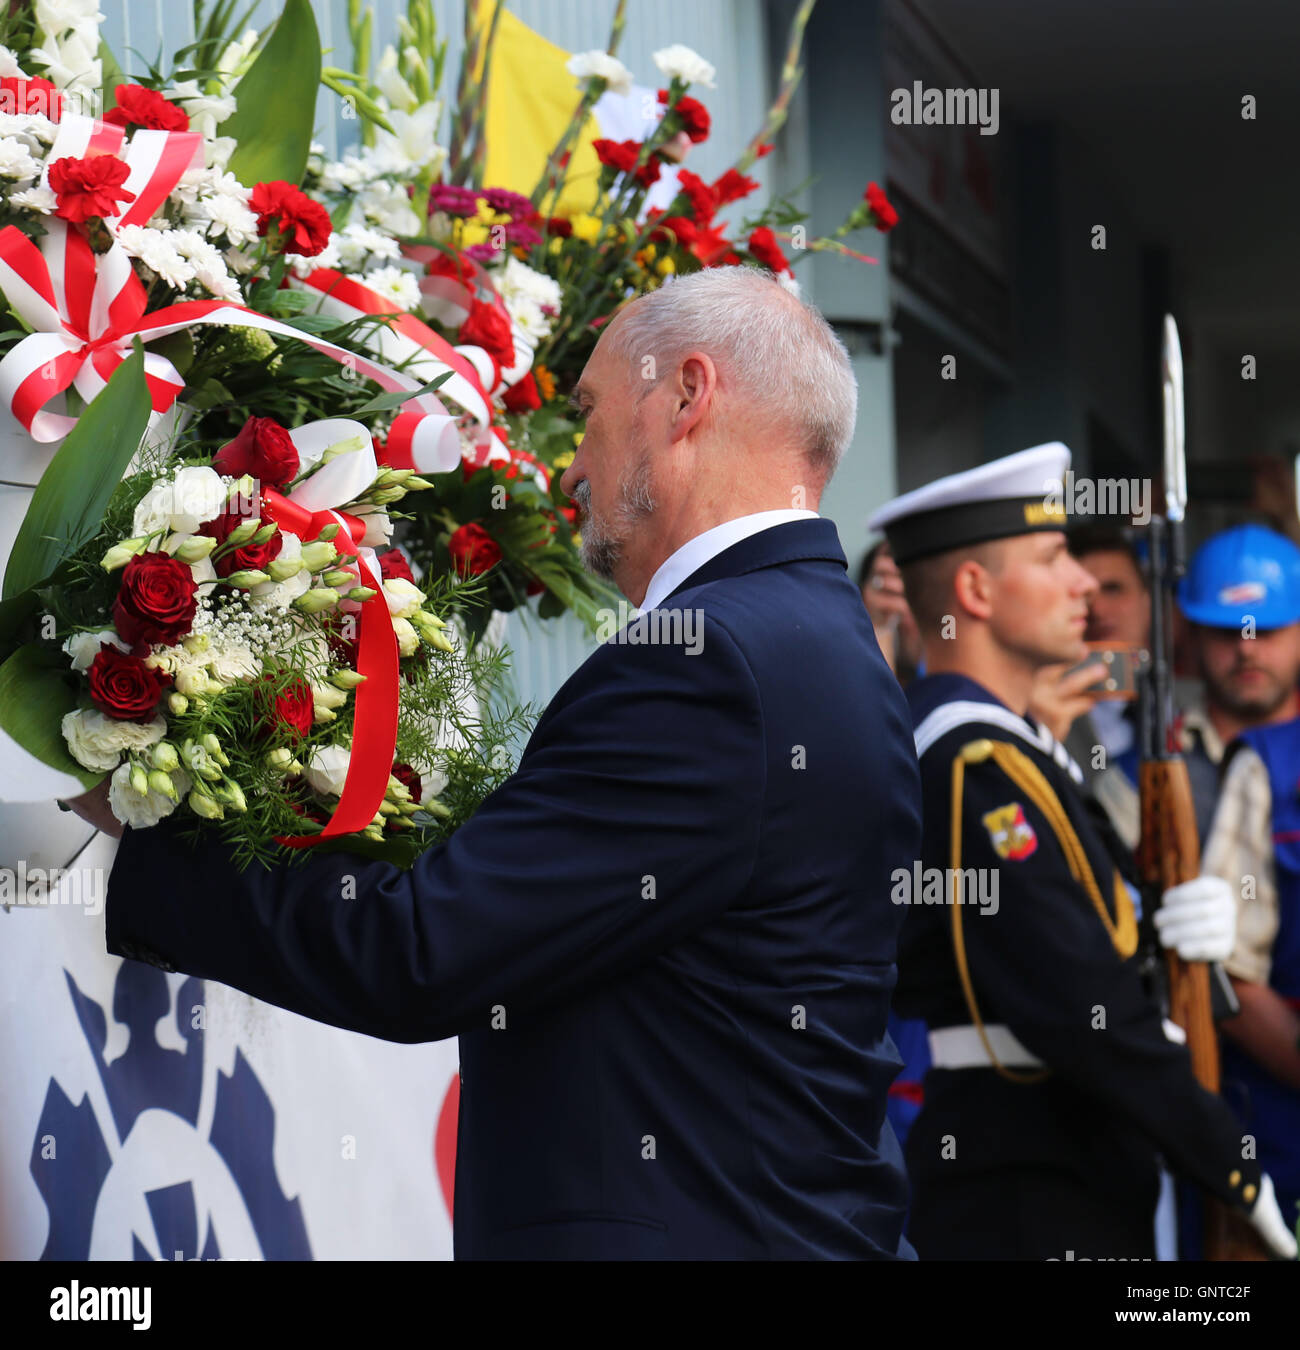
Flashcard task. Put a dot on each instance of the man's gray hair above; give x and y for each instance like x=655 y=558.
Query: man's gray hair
x=775 y=351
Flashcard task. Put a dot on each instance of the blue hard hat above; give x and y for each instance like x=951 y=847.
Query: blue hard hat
x=1248 y=571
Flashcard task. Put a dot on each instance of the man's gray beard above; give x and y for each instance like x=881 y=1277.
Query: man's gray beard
x=603 y=543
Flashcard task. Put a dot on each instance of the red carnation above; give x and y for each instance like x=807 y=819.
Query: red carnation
x=623 y=155
x=302 y=225
x=762 y=244
x=394 y=567
x=523 y=397
x=473 y=550
x=695 y=119
x=141 y=107
x=488 y=328
x=701 y=196
x=122 y=685
x=32 y=97
x=712 y=247
x=249 y=556
x=89 y=187
x=732 y=186
x=263 y=449
x=885 y=215
x=684 y=230
x=559 y=225
x=155 y=600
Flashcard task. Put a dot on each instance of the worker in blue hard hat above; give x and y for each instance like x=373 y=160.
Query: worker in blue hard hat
x=1241 y=595
x=1248 y=580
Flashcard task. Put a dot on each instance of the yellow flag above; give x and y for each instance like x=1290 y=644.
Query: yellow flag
x=531 y=102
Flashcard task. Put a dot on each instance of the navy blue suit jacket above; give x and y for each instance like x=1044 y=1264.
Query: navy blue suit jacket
x=679 y=907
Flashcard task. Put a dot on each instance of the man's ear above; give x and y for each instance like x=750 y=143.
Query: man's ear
x=972 y=584
x=693 y=388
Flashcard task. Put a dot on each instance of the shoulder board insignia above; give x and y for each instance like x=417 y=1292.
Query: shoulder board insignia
x=1011 y=834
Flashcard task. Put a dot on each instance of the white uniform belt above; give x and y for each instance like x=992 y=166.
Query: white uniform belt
x=962 y=1048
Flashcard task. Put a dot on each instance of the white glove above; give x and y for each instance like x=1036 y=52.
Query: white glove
x=1199 y=919
x=1266 y=1219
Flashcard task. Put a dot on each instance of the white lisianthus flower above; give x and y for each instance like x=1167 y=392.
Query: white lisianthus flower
x=84 y=647
x=601 y=66
x=16 y=160
x=395 y=284
x=408 y=640
x=140 y=812
x=279 y=595
x=97 y=741
x=679 y=62
x=379 y=528
x=327 y=769
x=40 y=200
x=403 y=597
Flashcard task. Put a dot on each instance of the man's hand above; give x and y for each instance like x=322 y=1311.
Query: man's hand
x=93 y=806
x=1199 y=919
x=1058 y=697
x=1266 y=1219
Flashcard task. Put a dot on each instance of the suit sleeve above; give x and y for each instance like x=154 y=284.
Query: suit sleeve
x=633 y=819
x=1044 y=965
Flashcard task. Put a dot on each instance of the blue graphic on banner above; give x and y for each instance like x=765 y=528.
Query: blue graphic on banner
x=149 y=1077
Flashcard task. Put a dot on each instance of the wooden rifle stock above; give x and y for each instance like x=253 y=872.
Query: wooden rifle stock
x=1169 y=853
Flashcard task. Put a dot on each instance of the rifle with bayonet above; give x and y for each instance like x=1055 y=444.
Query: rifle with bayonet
x=1169 y=850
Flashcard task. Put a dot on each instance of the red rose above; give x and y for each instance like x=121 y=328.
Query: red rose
x=701 y=196
x=885 y=215
x=762 y=244
x=32 y=97
x=89 y=187
x=249 y=556
x=473 y=550
x=732 y=186
x=394 y=567
x=292 y=707
x=523 y=396
x=263 y=449
x=122 y=685
x=408 y=777
x=155 y=600
x=141 y=107
x=488 y=328
x=694 y=116
x=303 y=226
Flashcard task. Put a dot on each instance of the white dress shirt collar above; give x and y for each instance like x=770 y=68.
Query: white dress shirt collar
x=696 y=552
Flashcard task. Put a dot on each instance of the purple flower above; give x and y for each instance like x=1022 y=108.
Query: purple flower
x=523 y=235
x=507 y=202
x=453 y=201
x=481 y=253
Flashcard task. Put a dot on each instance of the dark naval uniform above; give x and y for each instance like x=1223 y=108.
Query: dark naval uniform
x=1045 y=1144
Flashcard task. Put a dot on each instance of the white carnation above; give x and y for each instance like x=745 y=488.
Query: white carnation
x=231 y=216
x=16 y=160
x=358 y=243
x=97 y=741
x=38 y=199
x=601 y=65
x=140 y=812
x=679 y=62
x=395 y=284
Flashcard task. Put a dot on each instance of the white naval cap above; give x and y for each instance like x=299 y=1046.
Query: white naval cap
x=1019 y=494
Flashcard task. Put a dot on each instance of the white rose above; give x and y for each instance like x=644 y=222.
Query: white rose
x=403 y=597
x=141 y=812
x=84 y=647
x=327 y=769
x=96 y=741
x=681 y=63
x=601 y=65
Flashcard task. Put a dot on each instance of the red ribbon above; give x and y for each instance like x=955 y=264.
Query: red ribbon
x=375 y=700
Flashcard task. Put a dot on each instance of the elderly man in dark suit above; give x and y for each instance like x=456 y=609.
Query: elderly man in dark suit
x=667 y=942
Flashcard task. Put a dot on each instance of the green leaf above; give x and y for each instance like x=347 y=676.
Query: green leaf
x=275 y=102
x=383 y=402
x=68 y=504
x=33 y=701
x=111 y=74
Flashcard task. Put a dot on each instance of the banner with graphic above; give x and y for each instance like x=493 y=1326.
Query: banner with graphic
x=151 y=1116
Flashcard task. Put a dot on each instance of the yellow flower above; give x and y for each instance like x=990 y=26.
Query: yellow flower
x=555 y=245
x=545 y=383
x=666 y=267
x=577 y=437
x=471 y=233
x=562 y=461
x=586 y=227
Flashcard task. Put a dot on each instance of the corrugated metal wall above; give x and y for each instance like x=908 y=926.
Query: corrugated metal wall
x=729 y=33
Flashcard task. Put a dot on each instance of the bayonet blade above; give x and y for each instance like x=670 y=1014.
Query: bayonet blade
x=1171 y=382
